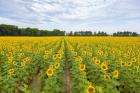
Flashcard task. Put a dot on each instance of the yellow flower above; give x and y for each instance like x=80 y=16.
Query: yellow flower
x=57 y=65
x=123 y=64
x=23 y=63
x=59 y=56
x=49 y=72
x=129 y=63
x=47 y=52
x=82 y=67
x=27 y=59
x=104 y=66
x=75 y=53
x=54 y=56
x=20 y=55
x=94 y=59
x=14 y=63
x=138 y=61
x=79 y=59
x=11 y=72
x=106 y=77
x=116 y=73
x=45 y=56
x=89 y=54
x=139 y=50
x=90 y=89
x=97 y=62
x=134 y=60
x=51 y=66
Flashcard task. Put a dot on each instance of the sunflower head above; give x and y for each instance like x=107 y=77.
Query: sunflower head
x=94 y=59
x=123 y=64
x=104 y=66
x=97 y=62
x=129 y=63
x=82 y=67
x=116 y=74
x=75 y=53
x=49 y=72
x=58 y=56
x=14 y=63
x=45 y=56
x=55 y=56
x=51 y=66
x=134 y=60
x=57 y=65
x=138 y=61
x=106 y=77
x=79 y=59
x=11 y=72
x=90 y=89
x=139 y=50
x=47 y=52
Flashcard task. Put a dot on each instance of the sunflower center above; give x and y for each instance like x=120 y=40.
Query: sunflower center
x=90 y=90
x=104 y=67
x=50 y=71
x=82 y=67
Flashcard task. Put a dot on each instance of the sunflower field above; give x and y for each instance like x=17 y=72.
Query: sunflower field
x=69 y=64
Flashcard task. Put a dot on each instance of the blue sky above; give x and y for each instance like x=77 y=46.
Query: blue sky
x=106 y=15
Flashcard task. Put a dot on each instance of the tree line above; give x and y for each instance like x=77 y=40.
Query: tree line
x=12 y=30
x=102 y=33
x=125 y=33
x=87 y=33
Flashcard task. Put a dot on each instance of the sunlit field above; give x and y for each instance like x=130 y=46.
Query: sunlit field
x=69 y=64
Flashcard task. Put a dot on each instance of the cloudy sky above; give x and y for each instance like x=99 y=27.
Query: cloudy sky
x=106 y=15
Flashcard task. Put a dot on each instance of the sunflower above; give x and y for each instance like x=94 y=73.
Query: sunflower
x=90 y=54
x=49 y=72
x=75 y=53
x=14 y=63
x=82 y=67
x=138 y=61
x=123 y=64
x=104 y=66
x=97 y=62
x=94 y=59
x=23 y=63
x=90 y=89
x=139 y=50
x=84 y=52
x=11 y=72
x=45 y=56
x=58 y=56
x=20 y=55
x=129 y=63
x=27 y=59
x=47 y=52
x=55 y=56
x=138 y=57
x=72 y=50
x=106 y=77
x=51 y=66
x=134 y=60
x=120 y=60
x=57 y=65
x=79 y=59
x=116 y=73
